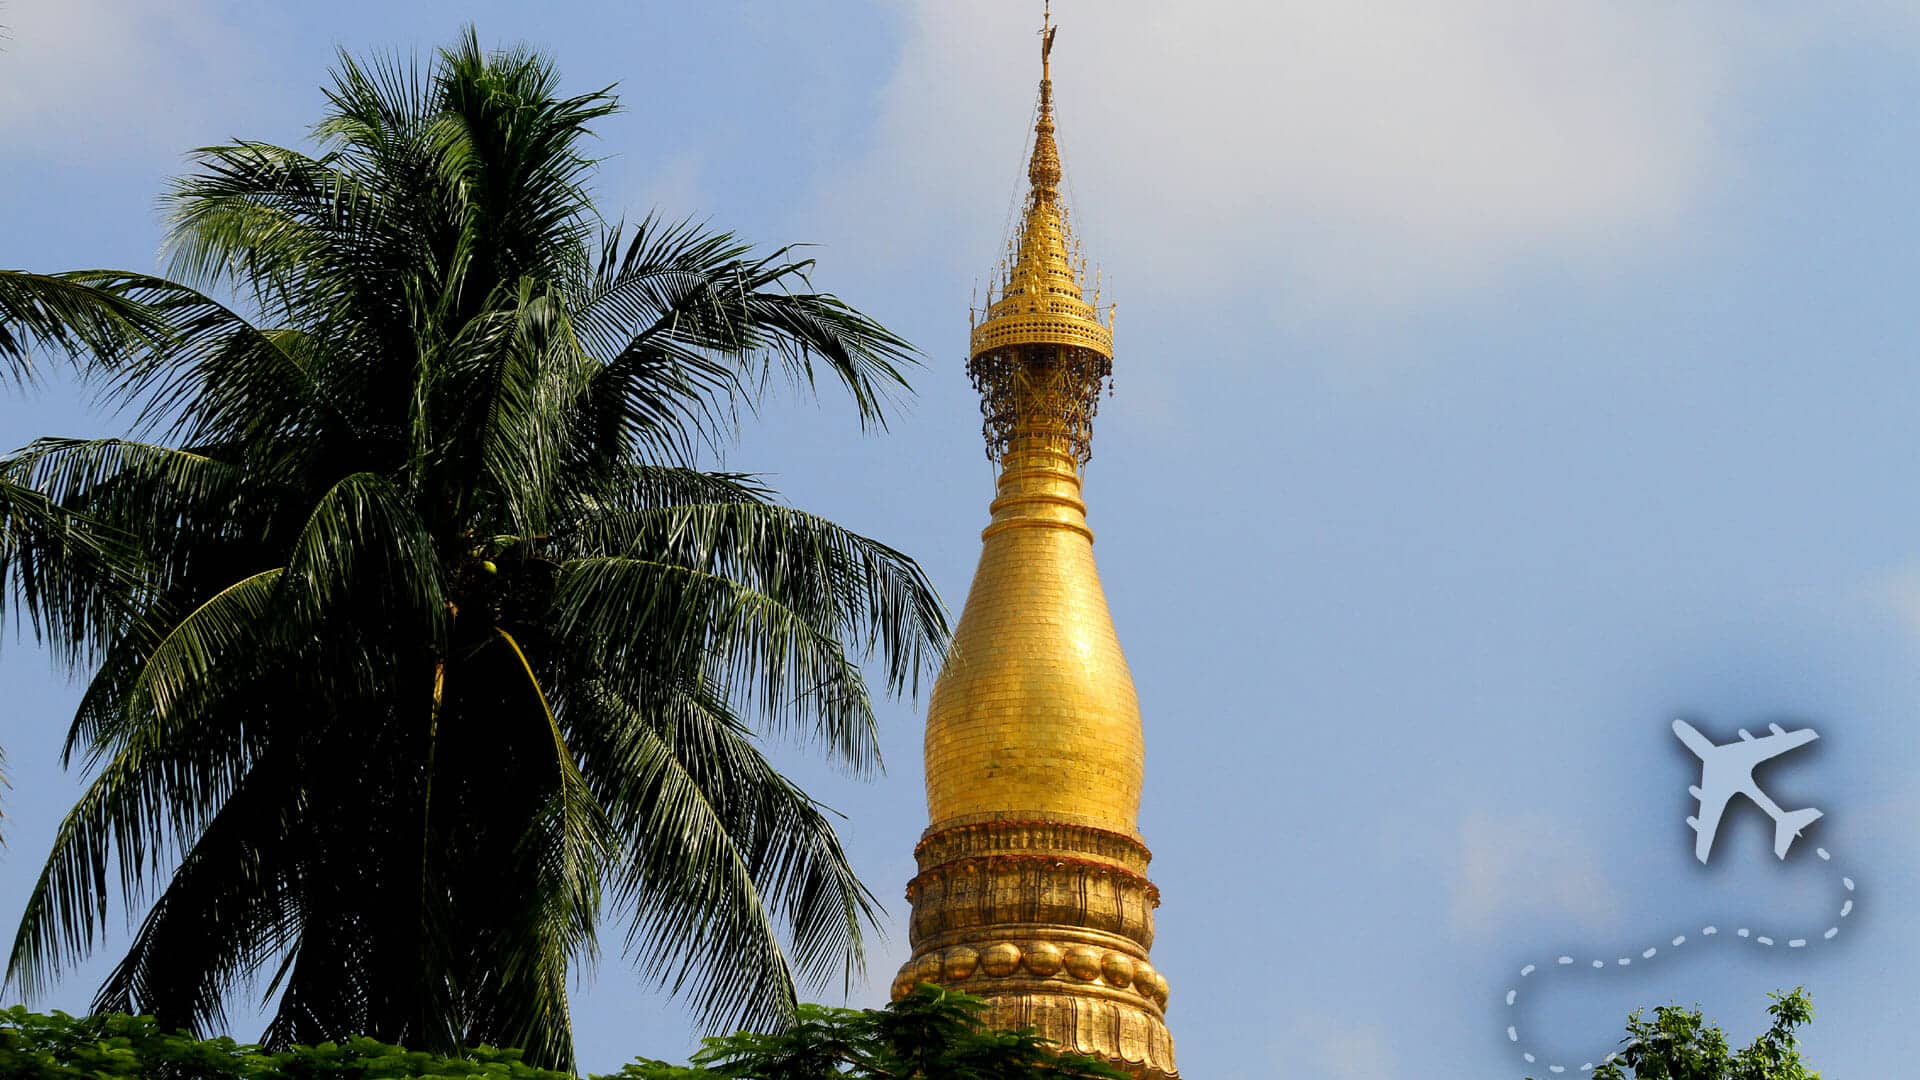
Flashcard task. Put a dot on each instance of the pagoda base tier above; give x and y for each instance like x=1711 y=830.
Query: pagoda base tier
x=1050 y=922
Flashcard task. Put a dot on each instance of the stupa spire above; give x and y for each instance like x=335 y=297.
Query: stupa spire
x=1032 y=891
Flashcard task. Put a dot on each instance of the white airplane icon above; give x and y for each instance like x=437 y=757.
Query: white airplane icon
x=1726 y=770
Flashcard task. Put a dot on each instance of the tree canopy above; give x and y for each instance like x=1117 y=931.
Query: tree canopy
x=34 y=1046
x=929 y=1035
x=418 y=645
x=1677 y=1043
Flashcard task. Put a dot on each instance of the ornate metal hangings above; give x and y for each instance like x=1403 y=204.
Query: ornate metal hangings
x=1041 y=397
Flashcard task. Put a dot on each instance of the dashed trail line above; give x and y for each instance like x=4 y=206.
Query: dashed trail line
x=1650 y=953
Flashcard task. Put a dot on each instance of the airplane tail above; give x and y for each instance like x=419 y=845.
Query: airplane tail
x=1789 y=827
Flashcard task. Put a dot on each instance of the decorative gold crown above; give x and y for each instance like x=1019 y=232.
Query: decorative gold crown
x=1041 y=356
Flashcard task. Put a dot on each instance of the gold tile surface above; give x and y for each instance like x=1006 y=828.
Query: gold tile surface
x=1035 y=712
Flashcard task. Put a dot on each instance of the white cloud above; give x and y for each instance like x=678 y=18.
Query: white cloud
x=1899 y=592
x=1338 y=1049
x=1525 y=864
x=1335 y=154
x=79 y=78
x=673 y=190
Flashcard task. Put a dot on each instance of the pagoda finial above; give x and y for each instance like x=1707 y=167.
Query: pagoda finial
x=1047 y=30
x=1040 y=356
x=1044 y=170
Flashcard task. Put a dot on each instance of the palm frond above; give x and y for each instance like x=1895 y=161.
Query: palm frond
x=630 y=616
x=870 y=594
x=231 y=906
x=521 y=185
x=78 y=580
x=74 y=313
x=560 y=859
x=163 y=774
x=363 y=533
x=718 y=845
x=97 y=530
x=519 y=387
x=705 y=292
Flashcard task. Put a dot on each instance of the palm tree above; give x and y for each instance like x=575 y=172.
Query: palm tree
x=417 y=639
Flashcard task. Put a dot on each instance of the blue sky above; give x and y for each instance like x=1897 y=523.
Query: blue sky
x=1495 y=381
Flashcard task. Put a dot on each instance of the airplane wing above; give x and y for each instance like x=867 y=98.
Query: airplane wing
x=1696 y=742
x=1782 y=741
x=1707 y=822
x=1750 y=751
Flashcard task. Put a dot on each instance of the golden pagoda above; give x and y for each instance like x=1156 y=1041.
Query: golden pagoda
x=1032 y=890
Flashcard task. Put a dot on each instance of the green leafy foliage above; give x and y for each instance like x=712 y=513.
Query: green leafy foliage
x=931 y=1034
x=418 y=647
x=119 y=1047
x=1679 y=1044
